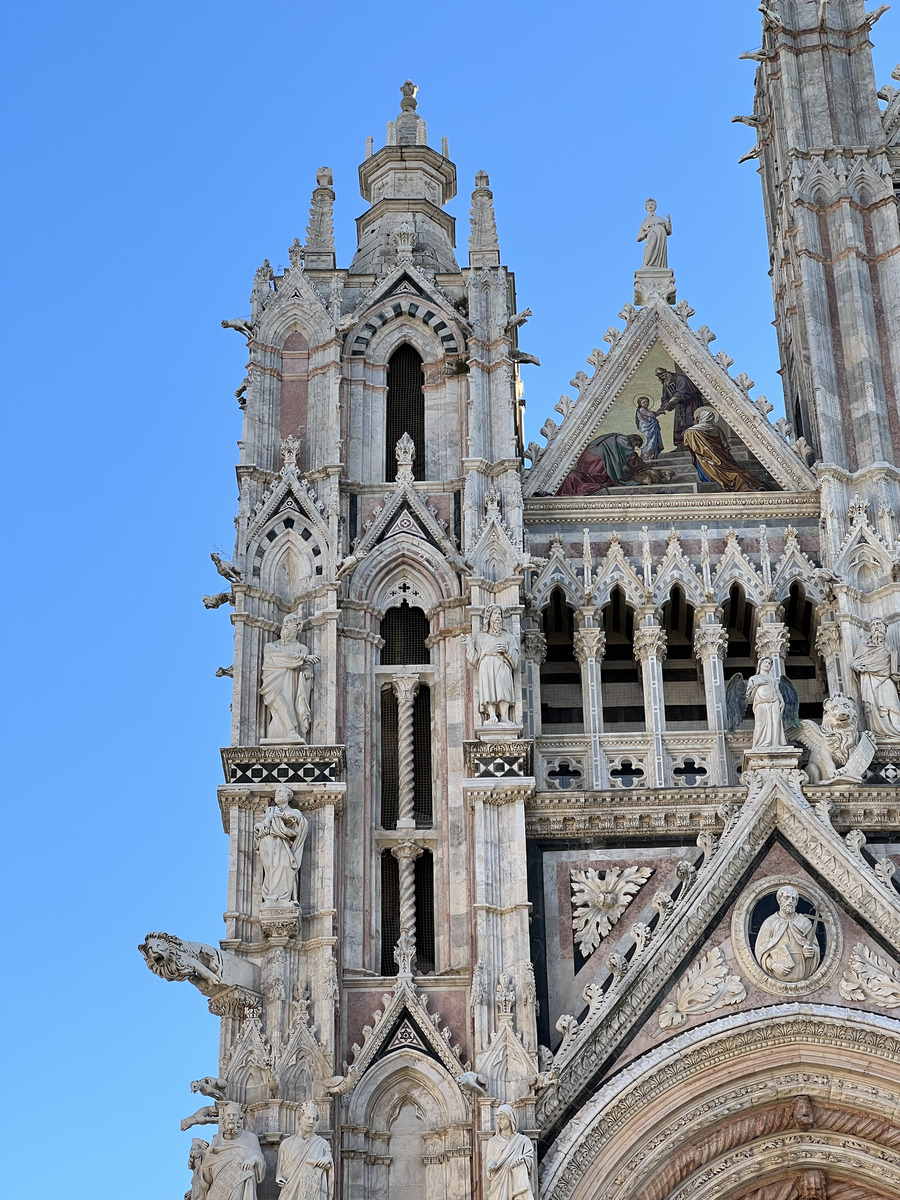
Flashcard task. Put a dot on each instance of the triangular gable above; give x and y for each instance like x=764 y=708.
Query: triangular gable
x=405 y=512
x=774 y=804
x=659 y=338
x=405 y=291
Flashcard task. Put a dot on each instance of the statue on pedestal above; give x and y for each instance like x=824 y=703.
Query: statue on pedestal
x=876 y=669
x=510 y=1158
x=305 y=1168
x=654 y=232
x=496 y=655
x=765 y=695
x=279 y=836
x=233 y=1165
x=287 y=676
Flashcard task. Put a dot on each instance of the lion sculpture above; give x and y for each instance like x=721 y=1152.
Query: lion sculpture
x=835 y=749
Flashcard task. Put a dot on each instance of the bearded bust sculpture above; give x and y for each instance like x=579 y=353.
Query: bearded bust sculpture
x=786 y=946
x=287 y=678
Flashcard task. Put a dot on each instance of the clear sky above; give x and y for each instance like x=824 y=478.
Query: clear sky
x=155 y=154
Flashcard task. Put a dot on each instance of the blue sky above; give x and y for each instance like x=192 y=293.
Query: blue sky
x=158 y=153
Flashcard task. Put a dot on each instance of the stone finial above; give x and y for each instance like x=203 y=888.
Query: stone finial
x=409 y=128
x=319 y=250
x=405 y=451
x=484 y=248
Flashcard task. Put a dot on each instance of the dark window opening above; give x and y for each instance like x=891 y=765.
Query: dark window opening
x=390 y=784
x=404 y=409
x=562 y=705
x=404 y=630
x=425 y=914
x=801 y=664
x=623 y=694
x=422 y=757
x=683 y=690
x=390 y=911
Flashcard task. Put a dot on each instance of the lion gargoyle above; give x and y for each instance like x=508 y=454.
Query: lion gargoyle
x=207 y=968
x=837 y=754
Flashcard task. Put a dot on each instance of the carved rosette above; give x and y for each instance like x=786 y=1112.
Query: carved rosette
x=589 y=644
x=649 y=642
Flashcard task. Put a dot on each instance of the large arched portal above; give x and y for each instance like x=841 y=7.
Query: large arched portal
x=795 y=1101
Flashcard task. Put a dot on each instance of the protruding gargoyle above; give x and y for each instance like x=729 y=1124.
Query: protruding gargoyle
x=218 y=599
x=519 y=318
x=212 y=1086
x=225 y=568
x=206 y=967
x=837 y=754
x=225 y=672
x=241 y=326
x=524 y=359
x=471 y=1081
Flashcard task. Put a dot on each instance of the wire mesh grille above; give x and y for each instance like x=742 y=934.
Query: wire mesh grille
x=390 y=784
x=405 y=409
x=422 y=757
x=390 y=911
x=404 y=630
x=424 y=913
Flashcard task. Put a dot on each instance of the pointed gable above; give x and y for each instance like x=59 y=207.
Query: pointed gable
x=629 y=426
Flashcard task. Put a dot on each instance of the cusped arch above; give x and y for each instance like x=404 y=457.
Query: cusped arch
x=402 y=1077
x=545 y=587
x=626 y=581
x=803 y=576
x=287 y=558
x=628 y=1135
x=298 y=314
x=387 y=339
x=405 y=567
x=431 y=330
x=747 y=580
x=674 y=575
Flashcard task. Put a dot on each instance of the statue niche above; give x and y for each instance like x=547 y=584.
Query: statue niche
x=786 y=946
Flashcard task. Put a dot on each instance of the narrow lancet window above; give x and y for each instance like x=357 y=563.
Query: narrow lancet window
x=404 y=409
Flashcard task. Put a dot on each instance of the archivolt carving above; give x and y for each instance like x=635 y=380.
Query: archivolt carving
x=727 y=1069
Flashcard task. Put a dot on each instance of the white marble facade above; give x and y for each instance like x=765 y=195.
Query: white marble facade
x=556 y=809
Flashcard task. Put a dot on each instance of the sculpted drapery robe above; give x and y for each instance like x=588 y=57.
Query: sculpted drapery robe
x=280 y=836
x=232 y=1167
x=779 y=947
x=877 y=690
x=510 y=1160
x=654 y=233
x=496 y=656
x=285 y=688
x=300 y=1167
x=768 y=707
x=609 y=460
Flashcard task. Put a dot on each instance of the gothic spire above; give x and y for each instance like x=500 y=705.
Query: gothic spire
x=320 y=230
x=484 y=248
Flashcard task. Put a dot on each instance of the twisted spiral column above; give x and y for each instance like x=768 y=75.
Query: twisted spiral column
x=406 y=854
x=405 y=689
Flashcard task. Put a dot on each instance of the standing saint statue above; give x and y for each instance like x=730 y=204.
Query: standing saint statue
x=765 y=695
x=279 y=836
x=305 y=1169
x=496 y=655
x=287 y=676
x=876 y=668
x=654 y=232
x=786 y=947
x=233 y=1165
x=510 y=1159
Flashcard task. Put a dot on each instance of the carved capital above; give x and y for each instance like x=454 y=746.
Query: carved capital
x=405 y=688
x=406 y=851
x=589 y=644
x=649 y=642
x=828 y=640
x=710 y=641
x=535 y=645
x=772 y=640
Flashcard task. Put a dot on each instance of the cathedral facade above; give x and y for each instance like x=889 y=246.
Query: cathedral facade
x=562 y=794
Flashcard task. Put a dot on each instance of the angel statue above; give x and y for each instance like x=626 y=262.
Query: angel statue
x=836 y=753
x=738 y=692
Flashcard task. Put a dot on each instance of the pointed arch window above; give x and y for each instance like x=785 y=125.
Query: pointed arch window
x=404 y=409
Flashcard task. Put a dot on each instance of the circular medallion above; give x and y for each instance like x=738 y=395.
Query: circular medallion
x=786 y=935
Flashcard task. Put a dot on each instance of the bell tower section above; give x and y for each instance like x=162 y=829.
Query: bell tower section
x=831 y=213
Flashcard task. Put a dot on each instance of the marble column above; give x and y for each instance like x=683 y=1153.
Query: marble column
x=405 y=689
x=650 y=652
x=535 y=647
x=710 y=644
x=772 y=637
x=590 y=646
x=828 y=645
x=406 y=854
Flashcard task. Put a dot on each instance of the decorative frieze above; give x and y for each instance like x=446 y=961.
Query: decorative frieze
x=498 y=760
x=283 y=764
